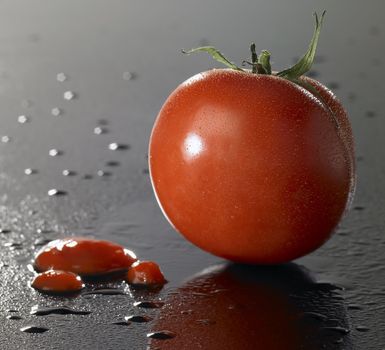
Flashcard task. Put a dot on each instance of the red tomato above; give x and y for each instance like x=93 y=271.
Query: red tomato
x=57 y=282
x=145 y=273
x=252 y=167
x=83 y=256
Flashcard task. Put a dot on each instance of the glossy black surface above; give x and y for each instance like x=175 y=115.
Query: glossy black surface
x=120 y=60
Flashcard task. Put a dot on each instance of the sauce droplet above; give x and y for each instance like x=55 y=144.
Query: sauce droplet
x=145 y=273
x=54 y=281
x=84 y=256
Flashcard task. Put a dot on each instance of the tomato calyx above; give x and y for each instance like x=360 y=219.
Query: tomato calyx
x=261 y=64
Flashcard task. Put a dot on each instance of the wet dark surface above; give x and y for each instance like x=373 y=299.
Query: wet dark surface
x=87 y=79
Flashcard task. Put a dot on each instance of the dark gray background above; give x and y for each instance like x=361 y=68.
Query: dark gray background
x=94 y=42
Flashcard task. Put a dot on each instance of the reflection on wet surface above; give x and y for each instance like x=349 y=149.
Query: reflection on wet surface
x=243 y=307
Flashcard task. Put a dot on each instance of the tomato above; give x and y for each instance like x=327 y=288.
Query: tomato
x=253 y=166
x=145 y=273
x=84 y=256
x=57 y=282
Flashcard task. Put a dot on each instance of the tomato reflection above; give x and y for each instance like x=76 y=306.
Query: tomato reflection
x=243 y=307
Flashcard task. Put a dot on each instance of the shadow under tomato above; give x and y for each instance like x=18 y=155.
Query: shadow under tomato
x=246 y=307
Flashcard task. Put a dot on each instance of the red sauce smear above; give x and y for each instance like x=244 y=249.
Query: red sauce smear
x=57 y=282
x=83 y=256
x=145 y=273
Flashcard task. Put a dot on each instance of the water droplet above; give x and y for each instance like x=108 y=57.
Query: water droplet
x=112 y=163
x=114 y=146
x=100 y=130
x=5 y=139
x=362 y=329
x=30 y=171
x=149 y=304
x=102 y=173
x=34 y=329
x=138 y=318
x=61 y=77
x=69 y=95
x=64 y=310
x=106 y=291
x=56 y=112
x=56 y=192
x=162 y=335
x=55 y=152
x=67 y=172
x=14 y=317
x=22 y=119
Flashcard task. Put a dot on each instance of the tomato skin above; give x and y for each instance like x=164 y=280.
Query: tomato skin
x=251 y=168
